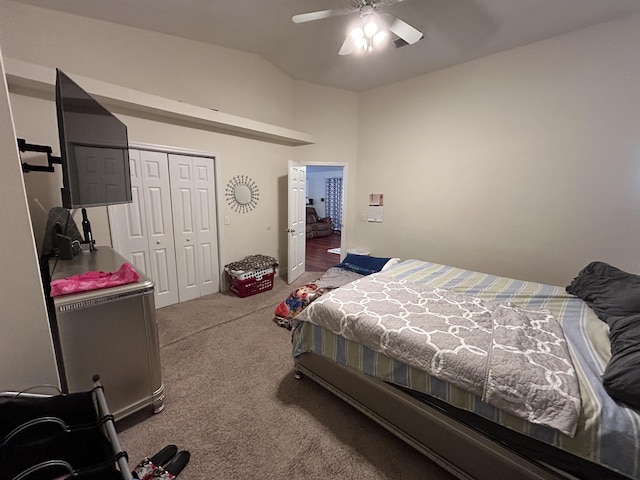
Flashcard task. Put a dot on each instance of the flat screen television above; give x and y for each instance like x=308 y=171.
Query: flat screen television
x=94 y=149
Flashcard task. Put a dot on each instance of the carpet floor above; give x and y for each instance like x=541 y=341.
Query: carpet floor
x=233 y=402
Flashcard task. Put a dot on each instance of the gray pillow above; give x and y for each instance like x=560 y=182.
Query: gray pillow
x=621 y=377
x=608 y=290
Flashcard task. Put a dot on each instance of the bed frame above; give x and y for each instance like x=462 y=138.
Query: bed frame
x=457 y=448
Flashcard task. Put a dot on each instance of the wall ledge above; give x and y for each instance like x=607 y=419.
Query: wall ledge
x=29 y=77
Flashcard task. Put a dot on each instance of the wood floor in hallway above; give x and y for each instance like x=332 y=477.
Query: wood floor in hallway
x=316 y=256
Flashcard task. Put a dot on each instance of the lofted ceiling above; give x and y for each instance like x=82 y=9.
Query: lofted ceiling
x=455 y=31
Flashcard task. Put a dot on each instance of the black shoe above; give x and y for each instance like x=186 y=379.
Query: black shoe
x=145 y=469
x=173 y=468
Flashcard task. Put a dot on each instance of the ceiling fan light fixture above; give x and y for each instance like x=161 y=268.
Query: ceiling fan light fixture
x=379 y=37
x=374 y=26
x=361 y=43
x=371 y=28
x=357 y=33
x=366 y=37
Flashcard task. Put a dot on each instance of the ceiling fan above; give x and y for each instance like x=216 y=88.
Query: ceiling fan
x=374 y=24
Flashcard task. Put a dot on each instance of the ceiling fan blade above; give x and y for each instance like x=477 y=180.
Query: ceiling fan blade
x=347 y=46
x=390 y=2
x=403 y=30
x=308 y=17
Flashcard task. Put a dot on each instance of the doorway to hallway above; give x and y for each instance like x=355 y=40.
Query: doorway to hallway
x=325 y=193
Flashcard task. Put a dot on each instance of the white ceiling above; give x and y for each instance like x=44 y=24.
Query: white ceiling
x=455 y=31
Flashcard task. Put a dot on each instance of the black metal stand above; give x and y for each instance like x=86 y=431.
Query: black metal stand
x=23 y=146
x=61 y=436
x=86 y=229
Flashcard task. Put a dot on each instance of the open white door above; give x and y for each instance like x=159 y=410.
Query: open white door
x=296 y=227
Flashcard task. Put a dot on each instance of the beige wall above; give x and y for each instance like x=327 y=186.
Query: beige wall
x=227 y=80
x=525 y=163
x=237 y=83
x=331 y=116
x=26 y=351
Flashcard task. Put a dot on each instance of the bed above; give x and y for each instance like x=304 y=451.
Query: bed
x=447 y=416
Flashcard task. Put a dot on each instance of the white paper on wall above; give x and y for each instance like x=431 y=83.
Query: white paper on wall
x=376 y=201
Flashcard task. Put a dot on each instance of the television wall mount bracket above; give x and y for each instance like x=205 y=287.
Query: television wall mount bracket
x=23 y=146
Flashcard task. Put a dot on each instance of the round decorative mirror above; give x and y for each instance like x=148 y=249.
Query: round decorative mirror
x=242 y=194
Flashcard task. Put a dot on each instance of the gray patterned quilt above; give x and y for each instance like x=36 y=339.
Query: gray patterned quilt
x=513 y=358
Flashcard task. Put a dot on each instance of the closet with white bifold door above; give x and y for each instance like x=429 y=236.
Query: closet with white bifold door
x=169 y=231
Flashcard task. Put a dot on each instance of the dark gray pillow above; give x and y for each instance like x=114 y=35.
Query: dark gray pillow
x=621 y=377
x=608 y=290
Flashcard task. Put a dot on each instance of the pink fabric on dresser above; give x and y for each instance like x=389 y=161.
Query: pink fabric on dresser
x=94 y=281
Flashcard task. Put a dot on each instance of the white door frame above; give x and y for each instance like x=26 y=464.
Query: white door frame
x=345 y=212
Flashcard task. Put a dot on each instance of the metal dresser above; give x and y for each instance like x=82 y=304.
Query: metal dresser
x=111 y=332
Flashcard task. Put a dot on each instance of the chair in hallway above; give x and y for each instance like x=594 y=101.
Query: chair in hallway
x=317 y=227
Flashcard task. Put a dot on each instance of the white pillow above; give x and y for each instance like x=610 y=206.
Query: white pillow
x=390 y=263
